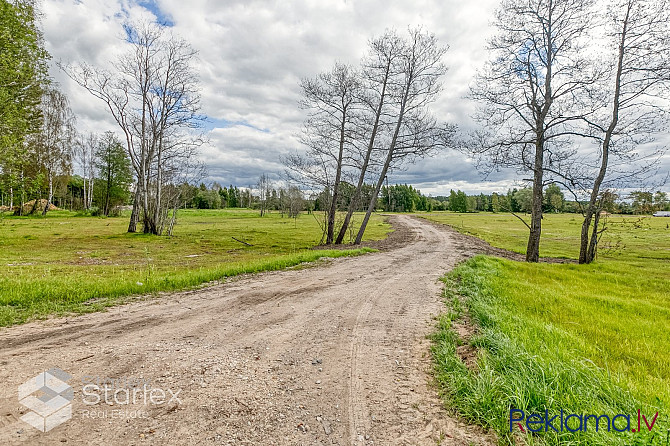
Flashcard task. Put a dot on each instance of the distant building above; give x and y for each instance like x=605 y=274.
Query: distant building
x=662 y=214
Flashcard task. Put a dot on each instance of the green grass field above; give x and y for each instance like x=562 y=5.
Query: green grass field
x=587 y=338
x=64 y=263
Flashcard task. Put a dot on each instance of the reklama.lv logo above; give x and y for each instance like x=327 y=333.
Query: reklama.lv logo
x=537 y=422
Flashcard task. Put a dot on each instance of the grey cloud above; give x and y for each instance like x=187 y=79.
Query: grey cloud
x=252 y=55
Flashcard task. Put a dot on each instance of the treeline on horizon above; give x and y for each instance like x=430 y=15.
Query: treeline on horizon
x=395 y=198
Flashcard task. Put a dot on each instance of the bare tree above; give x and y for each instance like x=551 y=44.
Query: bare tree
x=85 y=153
x=295 y=201
x=263 y=187
x=154 y=99
x=379 y=68
x=329 y=133
x=639 y=75
x=55 y=140
x=529 y=93
x=413 y=131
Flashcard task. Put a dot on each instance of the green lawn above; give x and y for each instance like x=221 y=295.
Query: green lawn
x=64 y=263
x=588 y=338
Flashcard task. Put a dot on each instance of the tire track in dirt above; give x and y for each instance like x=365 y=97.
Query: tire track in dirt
x=335 y=354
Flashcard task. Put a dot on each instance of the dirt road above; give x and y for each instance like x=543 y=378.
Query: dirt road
x=333 y=354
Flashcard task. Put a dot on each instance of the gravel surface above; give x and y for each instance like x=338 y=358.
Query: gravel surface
x=331 y=354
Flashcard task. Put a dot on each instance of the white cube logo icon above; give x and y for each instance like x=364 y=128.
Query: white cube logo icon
x=49 y=397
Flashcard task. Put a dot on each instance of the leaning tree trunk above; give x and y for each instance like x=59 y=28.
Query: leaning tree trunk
x=387 y=163
x=361 y=179
x=587 y=248
x=593 y=243
x=373 y=200
x=330 y=236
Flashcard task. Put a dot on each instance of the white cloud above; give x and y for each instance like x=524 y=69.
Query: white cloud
x=252 y=55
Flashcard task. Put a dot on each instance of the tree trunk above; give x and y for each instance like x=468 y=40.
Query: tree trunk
x=533 y=248
x=336 y=186
x=387 y=163
x=361 y=179
x=84 y=199
x=593 y=243
x=135 y=214
x=587 y=248
x=373 y=200
x=158 y=197
x=89 y=199
x=49 y=197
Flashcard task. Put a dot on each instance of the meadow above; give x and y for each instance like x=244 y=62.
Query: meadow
x=591 y=339
x=67 y=263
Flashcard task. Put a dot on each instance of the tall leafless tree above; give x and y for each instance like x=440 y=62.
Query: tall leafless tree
x=412 y=131
x=329 y=134
x=639 y=32
x=529 y=92
x=263 y=186
x=379 y=68
x=154 y=98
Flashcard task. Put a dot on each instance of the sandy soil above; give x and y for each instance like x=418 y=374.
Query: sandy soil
x=332 y=354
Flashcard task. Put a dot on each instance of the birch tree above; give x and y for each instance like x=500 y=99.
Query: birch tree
x=55 y=140
x=84 y=149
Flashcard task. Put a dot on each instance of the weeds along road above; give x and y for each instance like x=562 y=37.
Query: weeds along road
x=332 y=354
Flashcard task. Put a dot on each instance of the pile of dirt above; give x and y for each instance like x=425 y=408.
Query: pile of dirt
x=28 y=206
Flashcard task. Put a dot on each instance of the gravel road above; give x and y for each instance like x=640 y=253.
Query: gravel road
x=330 y=354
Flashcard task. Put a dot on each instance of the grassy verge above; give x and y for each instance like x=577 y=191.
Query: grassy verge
x=584 y=338
x=526 y=362
x=68 y=264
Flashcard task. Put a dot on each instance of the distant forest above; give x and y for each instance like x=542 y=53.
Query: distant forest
x=394 y=198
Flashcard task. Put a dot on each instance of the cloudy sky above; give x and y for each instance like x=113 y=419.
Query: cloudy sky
x=252 y=55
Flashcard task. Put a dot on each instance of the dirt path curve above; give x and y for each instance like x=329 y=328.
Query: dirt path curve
x=334 y=354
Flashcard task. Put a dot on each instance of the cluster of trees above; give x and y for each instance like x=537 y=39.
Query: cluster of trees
x=404 y=198
x=644 y=202
x=364 y=121
x=102 y=188
x=570 y=73
x=152 y=94
x=35 y=123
